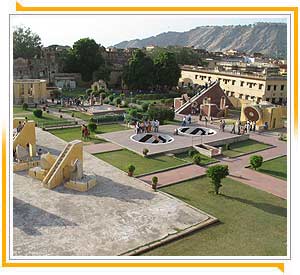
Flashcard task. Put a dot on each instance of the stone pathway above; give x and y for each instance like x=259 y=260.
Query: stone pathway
x=237 y=168
x=101 y=148
x=175 y=175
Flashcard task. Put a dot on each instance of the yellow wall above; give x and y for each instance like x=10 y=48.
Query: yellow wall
x=29 y=91
x=26 y=136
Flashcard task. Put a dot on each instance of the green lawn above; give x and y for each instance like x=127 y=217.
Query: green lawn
x=244 y=147
x=252 y=222
x=77 y=114
x=69 y=134
x=204 y=159
x=122 y=158
x=45 y=120
x=276 y=167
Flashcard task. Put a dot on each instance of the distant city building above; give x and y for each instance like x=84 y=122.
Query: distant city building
x=256 y=87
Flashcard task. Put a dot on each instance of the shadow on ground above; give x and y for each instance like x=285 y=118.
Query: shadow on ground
x=29 y=218
x=266 y=207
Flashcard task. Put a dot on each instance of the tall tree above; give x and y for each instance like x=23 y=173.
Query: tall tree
x=84 y=57
x=139 y=73
x=167 y=71
x=26 y=44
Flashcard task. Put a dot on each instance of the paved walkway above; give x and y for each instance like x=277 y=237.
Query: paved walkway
x=175 y=175
x=237 y=168
x=101 y=148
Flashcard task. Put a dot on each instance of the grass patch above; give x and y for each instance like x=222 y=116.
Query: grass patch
x=276 y=167
x=122 y=158
x=252 y=222
x=244 y=147
x=45 y=120
x=204 y=159
x=69 y=134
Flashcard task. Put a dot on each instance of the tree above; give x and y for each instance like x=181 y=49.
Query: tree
x=84 y=57
x=103 y=72
x=139 y=73
x=167 y=71
x=160 y=113
x=38 y=113
x=26 y=44
x=56 y=94
x=216 y=173
x=256 y=161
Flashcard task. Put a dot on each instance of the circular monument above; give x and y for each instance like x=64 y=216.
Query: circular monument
x=152 y=138
x=196 y=131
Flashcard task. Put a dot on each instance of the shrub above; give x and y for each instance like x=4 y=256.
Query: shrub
x=216 y=173
x=92 y=126
x=160 y=113
x=88 y=92
x=73 y=115
x=125 y=103
x=154 y=183
x=197 y=158
x=131 y=169
x=117 y=100
x=145 y=106
x=256 y=161
x=133 y=112
x=25 y=106
x=111 y=98
x=227 y=146
x=38 y=113
x=107 y=118
x=192 y=152
x=145 y=151
x=103 y=94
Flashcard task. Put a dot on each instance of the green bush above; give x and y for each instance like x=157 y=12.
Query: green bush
x=160 y=113
x=133 y=112
x=38 y=113
x=111 y=98
x=145 y=151
x=117 y=100
x=192 y=152
x=216 y=173
x=197 y=159
x=131 y=168
x=145 y=106
x=154 y=183
x=25 y=106
x=92 y=126
x=88 y=92
x=107 y=118
x=256 y=161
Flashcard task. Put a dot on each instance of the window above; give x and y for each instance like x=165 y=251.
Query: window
x=282 y=87
x=242 y=83
x=233 y=82
x=196 y=76
x=269 y=87
x=250 y=85
x=240 y=95
x=260 y=86
x=275 y=86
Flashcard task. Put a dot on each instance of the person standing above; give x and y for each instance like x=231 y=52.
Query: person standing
x=206 y=120
x=157 y=123
x=183 y=121
x=254 y=126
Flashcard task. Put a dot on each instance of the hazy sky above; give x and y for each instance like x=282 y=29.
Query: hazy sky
x=111 y=29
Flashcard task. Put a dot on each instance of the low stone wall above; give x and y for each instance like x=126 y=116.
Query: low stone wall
x=83 y=185
x=207 y=150
x=22 y=166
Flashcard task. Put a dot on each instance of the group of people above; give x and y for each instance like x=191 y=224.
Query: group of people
x=85 y=133
x=186 y=120
x=146 y=126
x=240 y=129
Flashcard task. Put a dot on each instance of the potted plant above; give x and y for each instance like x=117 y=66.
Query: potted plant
x=154 y=183
x=145 y=151
x=131 y=169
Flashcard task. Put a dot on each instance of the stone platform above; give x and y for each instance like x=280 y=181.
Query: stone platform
x=180 y=143
x=119 y=215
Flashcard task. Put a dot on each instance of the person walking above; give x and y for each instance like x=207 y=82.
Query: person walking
x=183 y=121
x=206 y=120
x=254 y=126
x=233 y=128
x=157 y=125
x=189 y=119
x=223 y=126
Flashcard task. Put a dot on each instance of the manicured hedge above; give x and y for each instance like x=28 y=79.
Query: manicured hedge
x=107 y=118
